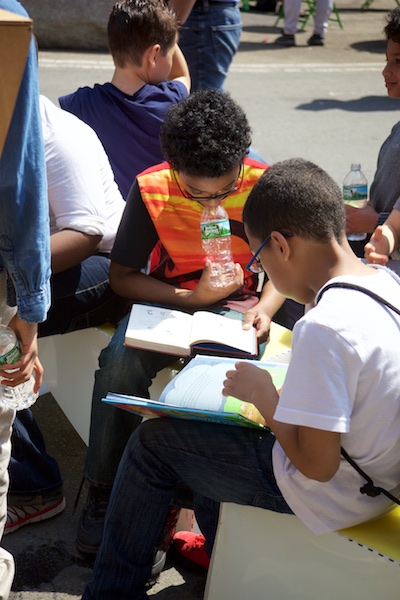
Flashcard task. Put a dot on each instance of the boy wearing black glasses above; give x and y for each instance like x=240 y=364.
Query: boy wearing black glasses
x=341 y=379
x=204 y=139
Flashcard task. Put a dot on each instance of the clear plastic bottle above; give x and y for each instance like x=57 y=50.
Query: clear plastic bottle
x=355 y=193
x=216 y=240
x=21 y=396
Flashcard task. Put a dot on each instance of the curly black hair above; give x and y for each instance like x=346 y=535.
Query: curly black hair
x=205 y=135
x=392 y=29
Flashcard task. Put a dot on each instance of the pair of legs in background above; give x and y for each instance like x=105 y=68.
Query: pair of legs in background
x=292 y=9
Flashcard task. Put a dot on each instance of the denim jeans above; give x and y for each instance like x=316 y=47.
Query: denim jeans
x=209 y=39
x=81 y=297
x=34 y=474
x=123 y=371
x=220 y=463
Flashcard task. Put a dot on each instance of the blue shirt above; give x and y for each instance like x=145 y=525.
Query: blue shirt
x=128 y=126
x=24 y=211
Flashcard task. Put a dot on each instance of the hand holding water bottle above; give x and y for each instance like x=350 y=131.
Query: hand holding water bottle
x=16 y=373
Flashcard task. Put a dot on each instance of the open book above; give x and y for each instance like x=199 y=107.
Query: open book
x=196 y=393
x=175 y=332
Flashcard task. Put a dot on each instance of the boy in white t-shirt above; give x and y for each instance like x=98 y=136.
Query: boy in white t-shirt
x=342 y=389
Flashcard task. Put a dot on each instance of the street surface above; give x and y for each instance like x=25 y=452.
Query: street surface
x=327 y=104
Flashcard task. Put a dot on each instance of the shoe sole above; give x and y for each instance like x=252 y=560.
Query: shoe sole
x=41 y=516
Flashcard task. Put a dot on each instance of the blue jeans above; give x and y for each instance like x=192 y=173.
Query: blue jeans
x=209 y=40
x=220 y=463
x=123 y=371
x=81 y=297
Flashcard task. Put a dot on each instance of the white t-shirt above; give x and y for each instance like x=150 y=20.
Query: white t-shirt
x=82 y=192
x=344 y=376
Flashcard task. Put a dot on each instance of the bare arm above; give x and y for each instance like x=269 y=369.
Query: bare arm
x=384 y=240
x=261 y=315
x=135 y=285
x=27 y=335
x=180 y=70
x=361 y=220
x=314 y=452
x=182 y=9
x=70 y=247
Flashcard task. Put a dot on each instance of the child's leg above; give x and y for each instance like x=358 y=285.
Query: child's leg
x=217 y=461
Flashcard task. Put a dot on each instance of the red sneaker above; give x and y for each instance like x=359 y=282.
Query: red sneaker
x=190 y=548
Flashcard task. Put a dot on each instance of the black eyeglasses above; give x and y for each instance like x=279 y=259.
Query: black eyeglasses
x=254 y=265
x=220 y=197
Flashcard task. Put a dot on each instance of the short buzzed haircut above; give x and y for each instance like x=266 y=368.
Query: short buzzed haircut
x=298 y=196
x=136 y=25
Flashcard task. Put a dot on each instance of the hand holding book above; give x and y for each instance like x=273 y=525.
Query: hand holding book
x=254 y=386
x=196 y=393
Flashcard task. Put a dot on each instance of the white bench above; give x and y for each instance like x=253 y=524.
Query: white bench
x=70 y=361
x=260 y=554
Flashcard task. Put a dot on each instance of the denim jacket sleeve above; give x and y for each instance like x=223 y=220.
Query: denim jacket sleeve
x=24 y=213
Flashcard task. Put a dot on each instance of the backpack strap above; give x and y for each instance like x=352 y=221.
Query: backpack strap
x=369 y=488
x=358 y=288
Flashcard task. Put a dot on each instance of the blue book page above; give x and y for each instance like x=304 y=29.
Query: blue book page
x=199 y=386
x=196 y=393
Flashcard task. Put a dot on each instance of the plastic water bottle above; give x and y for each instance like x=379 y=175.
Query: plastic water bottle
x=21 y=396
x=216 y=240
x=355 y=193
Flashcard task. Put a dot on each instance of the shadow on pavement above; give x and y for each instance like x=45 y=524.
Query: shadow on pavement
x=366 y=104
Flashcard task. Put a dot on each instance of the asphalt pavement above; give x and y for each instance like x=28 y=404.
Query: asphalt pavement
x=295 y=110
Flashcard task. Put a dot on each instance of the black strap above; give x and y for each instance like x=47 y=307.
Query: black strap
x=369 y=488
x=358 y=288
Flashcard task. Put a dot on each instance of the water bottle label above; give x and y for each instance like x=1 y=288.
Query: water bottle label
x=355 y=193
x=11 y=356
x=215 y=229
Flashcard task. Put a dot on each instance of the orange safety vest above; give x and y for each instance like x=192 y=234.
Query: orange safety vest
x=177 y=221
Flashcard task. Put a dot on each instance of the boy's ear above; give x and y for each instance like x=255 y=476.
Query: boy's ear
x=151 y=54
x=280 y=245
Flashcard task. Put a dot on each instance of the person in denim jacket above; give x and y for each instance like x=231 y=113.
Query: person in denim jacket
x=24 y=255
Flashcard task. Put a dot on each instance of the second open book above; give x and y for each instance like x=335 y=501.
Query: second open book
x=196 y=393
x=176 y=332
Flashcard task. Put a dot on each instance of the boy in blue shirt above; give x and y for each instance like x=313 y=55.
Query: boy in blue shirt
x=150 y=74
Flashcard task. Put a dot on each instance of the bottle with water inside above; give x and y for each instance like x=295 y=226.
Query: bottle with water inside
x=355 y=193
x=216 y=240
x=21 y=396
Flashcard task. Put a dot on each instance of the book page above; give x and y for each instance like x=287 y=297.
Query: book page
x=199 y=386
x=210 y=327
x=155 y=328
